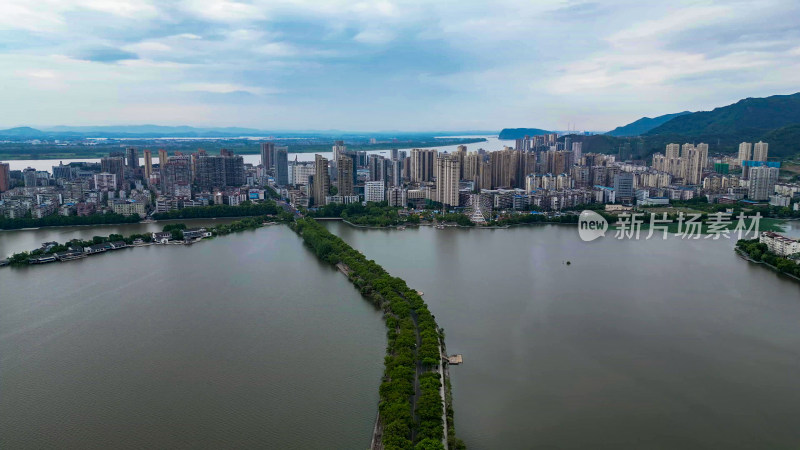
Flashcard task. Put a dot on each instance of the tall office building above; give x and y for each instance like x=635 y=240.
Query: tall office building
x=267 y=152
x=623 y=187
x=5 y=177
x=344 y=178
x=115 y=165
x=394 y=173
x=29 y=177
x=281 y=166
x=322 y=181
x=745 y=152
x=62 y=172
x=762 y=182
x=176 y=176
x=422 y=164
x=338 y=149
x=377 y=168
x=162 y=158
x=760 y=150
x=447 y=170
x=220 y=171
x=148 y=164
x=577 y=151
x=132 y=157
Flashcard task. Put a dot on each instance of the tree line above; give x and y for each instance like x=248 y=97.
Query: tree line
x=57 y=220
x=244 y=209
x=758 y=251
x=405 y=315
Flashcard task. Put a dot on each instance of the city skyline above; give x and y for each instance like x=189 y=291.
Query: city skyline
x=388 y=65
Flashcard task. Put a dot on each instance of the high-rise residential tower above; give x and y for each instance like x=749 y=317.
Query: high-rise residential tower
x=422 y=161
x=322 y=181
x=148 y=164
x=447 y=178
x=267 y=152
x=132 y=157
x=760 y=150
x=745 y=152
x=281 y=166
x=344 y=179
x=5 y=177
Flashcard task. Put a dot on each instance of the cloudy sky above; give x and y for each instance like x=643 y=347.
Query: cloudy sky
x=387 y=65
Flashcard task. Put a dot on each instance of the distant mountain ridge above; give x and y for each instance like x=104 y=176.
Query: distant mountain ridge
x=160 y=131
x=774 y=119
x=644 y=125
x=745 y=117
x=519 y=133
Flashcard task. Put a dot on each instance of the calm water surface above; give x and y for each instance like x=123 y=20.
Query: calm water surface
x=245 y=341
x=636 y=344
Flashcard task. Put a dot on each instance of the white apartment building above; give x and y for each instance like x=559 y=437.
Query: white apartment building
x=779 y=244
x=374 y=191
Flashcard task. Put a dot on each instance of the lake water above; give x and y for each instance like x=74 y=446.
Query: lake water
x=248 y=341
x=492 y=143
x=245 y=341
x=635 y=344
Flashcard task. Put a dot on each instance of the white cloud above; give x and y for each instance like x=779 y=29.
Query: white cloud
x=277 y=49
x=542 y=62
x=374 y=36
x=223 y=88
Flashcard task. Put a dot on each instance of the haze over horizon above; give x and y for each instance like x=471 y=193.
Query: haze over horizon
x=300 y=65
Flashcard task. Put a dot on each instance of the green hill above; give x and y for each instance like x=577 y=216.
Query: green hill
x=751 y=117
x=519 y=133
x=643 y=125
x=783 y=142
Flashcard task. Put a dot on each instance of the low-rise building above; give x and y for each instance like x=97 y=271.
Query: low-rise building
x=162 y=237
x=779 y=244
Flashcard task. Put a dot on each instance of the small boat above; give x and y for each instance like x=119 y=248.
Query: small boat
x=401 y=228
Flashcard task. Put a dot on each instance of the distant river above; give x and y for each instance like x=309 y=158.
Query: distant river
x=491 y=144
x=245 y=341
x=637 y=344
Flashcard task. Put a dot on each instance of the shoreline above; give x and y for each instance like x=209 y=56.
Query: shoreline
x=123 y=223
x=747 y=258
x=108 y=245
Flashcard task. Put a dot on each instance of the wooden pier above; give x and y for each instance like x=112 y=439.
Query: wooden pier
x=455 y=360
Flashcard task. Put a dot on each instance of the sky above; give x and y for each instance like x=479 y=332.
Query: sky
x=388 y=65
